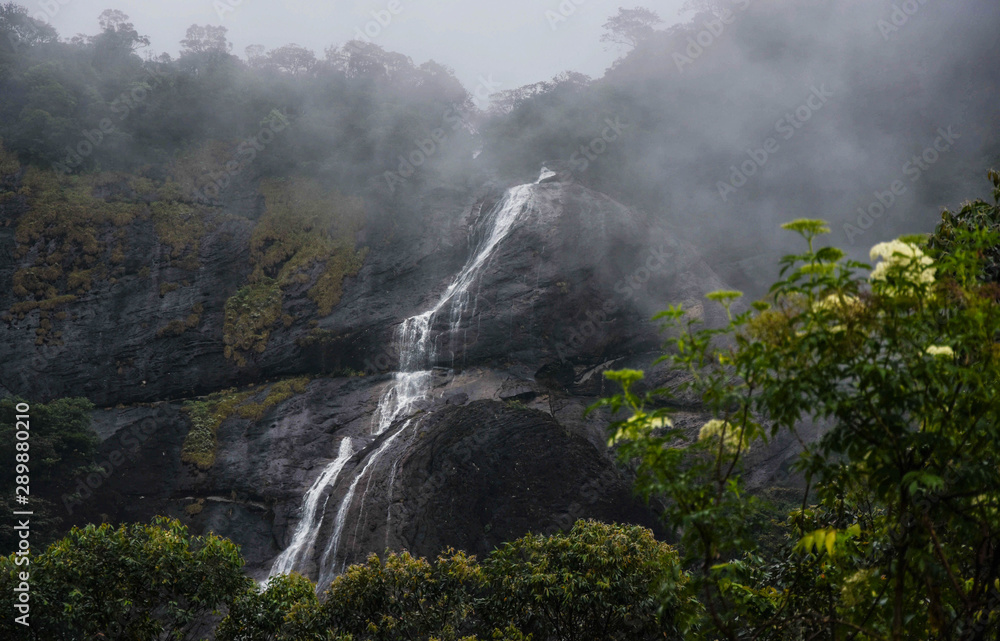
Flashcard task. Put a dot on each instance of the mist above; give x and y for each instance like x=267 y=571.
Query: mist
x=753 y=114
x=722 y=119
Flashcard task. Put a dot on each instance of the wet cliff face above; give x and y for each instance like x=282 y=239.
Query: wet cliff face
x=470 y=471
x=496 y=444
x=574 y=282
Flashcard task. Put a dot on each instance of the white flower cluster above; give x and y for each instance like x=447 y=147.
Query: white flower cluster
x=838 y=302
x=941 y=350
x=902 y=259
x=717 y=429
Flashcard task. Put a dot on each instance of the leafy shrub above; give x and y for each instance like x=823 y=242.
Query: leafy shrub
x=896 y=534
x=595 y=582
x=131 y=582
x=259 y=613
x=400 y=598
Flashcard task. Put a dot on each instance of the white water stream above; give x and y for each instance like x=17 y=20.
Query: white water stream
x=410 y=385
x=308 y=527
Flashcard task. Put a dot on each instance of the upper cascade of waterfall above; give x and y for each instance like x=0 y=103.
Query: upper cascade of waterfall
x=416 y=350
x=546 y=174
x=412 y=383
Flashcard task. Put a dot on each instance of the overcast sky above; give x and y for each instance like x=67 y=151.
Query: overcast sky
x=515 y=42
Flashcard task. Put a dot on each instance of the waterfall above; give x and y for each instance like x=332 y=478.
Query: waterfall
x=411 y=384
x=413 y=336
x=328 y=564
x=308 y=527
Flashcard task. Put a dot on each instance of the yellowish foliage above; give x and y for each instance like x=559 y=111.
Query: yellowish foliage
x=277 y=393
x=250 y=315
x=207 y=415
x=181 y=227
x=306 y=225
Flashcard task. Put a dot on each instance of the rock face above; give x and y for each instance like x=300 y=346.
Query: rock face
x=476 y=476
x=470 y=472
x=497 y=446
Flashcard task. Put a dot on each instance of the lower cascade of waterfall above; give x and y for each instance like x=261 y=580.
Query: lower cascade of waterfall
x=307 y=529
x=410 y=385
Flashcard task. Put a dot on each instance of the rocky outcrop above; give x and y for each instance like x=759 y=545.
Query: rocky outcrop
x=475 y=476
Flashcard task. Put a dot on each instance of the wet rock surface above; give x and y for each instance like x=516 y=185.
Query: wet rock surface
x=499 y=447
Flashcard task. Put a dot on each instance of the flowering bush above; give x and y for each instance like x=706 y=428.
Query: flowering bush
x=896 y=534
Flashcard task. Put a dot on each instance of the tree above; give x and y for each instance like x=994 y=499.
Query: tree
x=18 y=29
x=131 y=582
x=206 y=50
x=259 y=614
x=360 y=59
x=974 y=215
x=630 y=27
x=117 y=43
x=255 y=55
x=61 y=445
x=596 y=582
x=292 y=59
x=898 y=532
x=508 y=100
x=119 y=32
x=438 y=82
x=205 y=39
x=700 y=6
x=400 y=598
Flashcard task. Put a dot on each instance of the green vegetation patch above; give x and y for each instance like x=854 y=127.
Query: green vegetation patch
x=306 y=225
x=276 y=394
x=206 y=417
x=179 y=326
x=193 y=168
x=77 y=225
x=305 y=237
x=63 y=234
x=250 y=315
x=209 y=413
x=890 y=515
x=975 y=215
x=61 y=450
x=148 y=581
x=195 y=508
x=181 y=226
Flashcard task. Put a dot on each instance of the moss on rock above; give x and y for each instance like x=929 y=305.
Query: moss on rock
x=276 y=394
x=208 y=414
x=251 y=314
x=181 y=227
x=177 y=327
x=76 y=224
x=306 y=226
